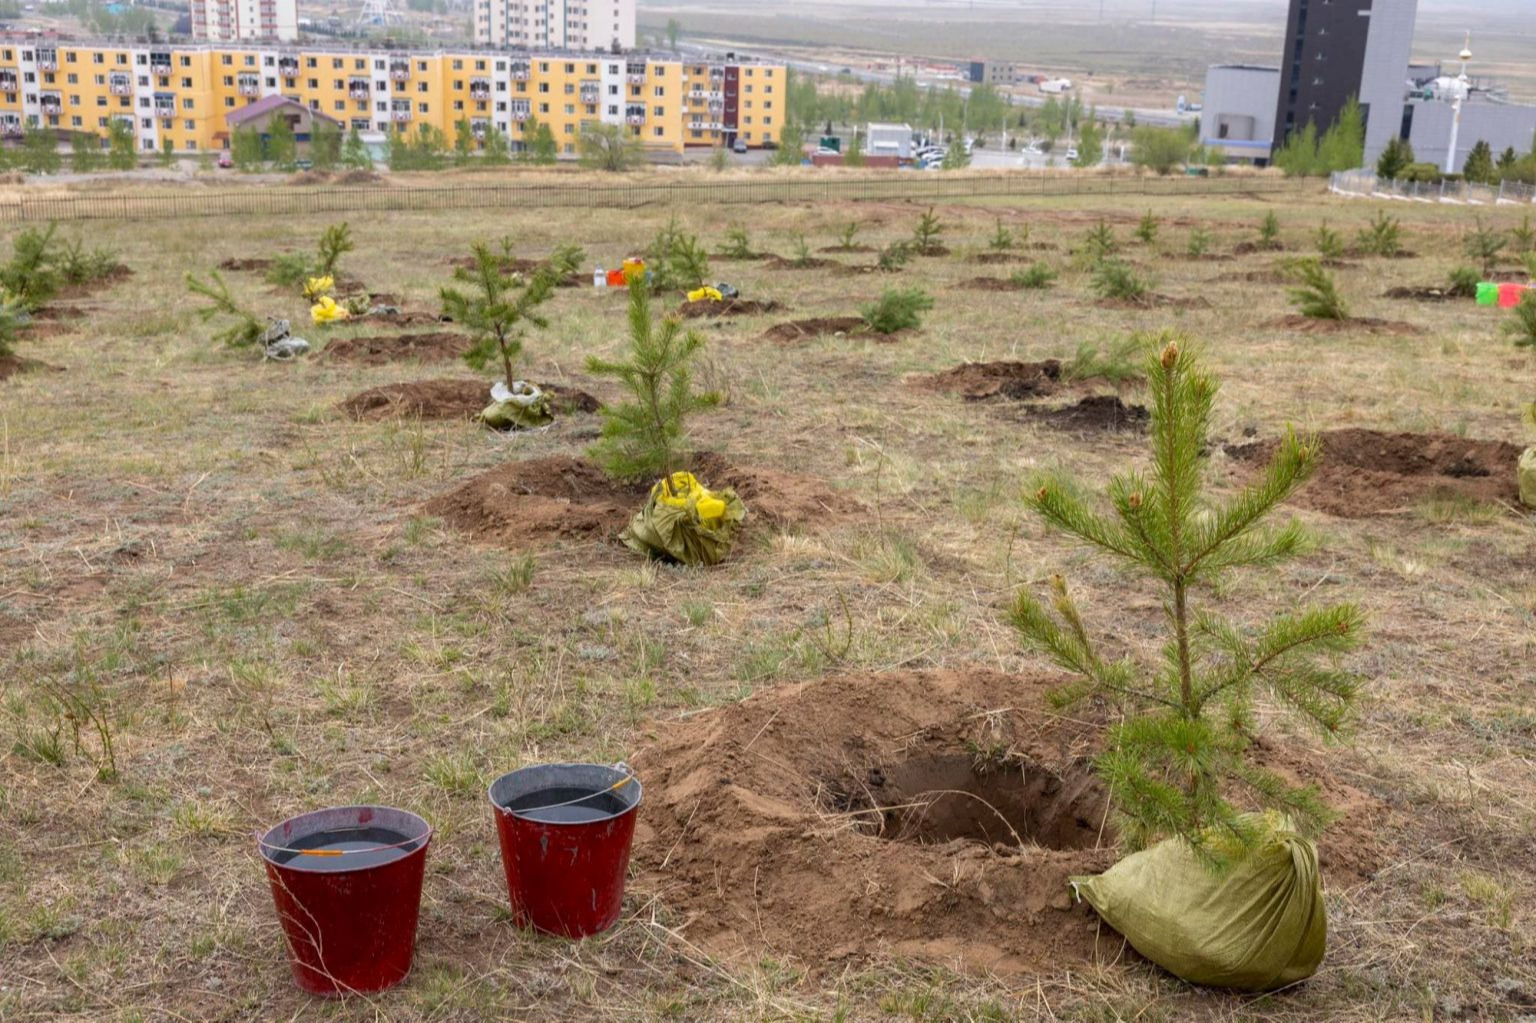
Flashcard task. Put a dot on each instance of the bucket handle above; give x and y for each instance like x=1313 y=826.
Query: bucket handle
x=621 y=766
x=423 y=839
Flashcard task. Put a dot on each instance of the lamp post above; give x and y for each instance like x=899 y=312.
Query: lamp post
x=1460 y=88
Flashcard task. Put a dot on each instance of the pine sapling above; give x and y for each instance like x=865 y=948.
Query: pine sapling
x=1383 y=237
x=644 y=437
x=1100 y=243
x=738 y=245
x=893 y=257
x=802 y=257
x=1269 y=231
x=1485 y=246
x=846 y=235
x=1177 y=762
x=1033 y=277
x=1315 y=295
x=1330 y=244
x=925 y=236
x=1002 y=239
x=1199 y=242
x=335 y=242
x=245 y=331
x=12 y=318
x=1116 y=280
x=677 y=260
x=1464 y=281
x=1522 y=325
x=31 y=277
x=1523 y=237
x=1146 y=231
x=495 y=306
x=896 y=309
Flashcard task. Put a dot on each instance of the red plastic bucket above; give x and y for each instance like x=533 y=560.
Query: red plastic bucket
x=347 y=884
x=565 y=832
x=1510 y=294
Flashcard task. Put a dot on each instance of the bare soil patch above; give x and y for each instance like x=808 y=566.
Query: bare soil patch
x=1098 y=413
x=58 y=313
x=900 y=814
x=1254 y=277
x=405 y=318
x=729 y=257
x=999 y=258
x=246 y=265
x=15 y=365
x=449 y=399
x=1154 y=301
x=780 y=263
x=990 y=284
x=800 y=330
x=1424 y=294
x=730 y=307
x=1249 y=248
x=561 y=497
x=437 y=346
x=932 y=250
x=1366 y=324
x=980 y=381
x=848 y=248
x=1357 y=253
x=1369 y=472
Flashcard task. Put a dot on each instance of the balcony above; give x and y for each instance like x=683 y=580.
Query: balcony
x=479 y=88
x=634 y=115
x=47 y=60
x=357 y=88
x=52 y=101
x=591 y=92
x=120 y=85
x=400 y=114
x=288 y=67
x=520 y=116
x=10 y=127
x=478 y=128
x=160 y=63
x=8 y=82
x=249 y=85
x=399 y=70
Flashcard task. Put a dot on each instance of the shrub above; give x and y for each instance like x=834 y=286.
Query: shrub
x=925 y=236
x=1485 y=246
x=1100 y=242
x=335 y=242
x=1382 y=237
x=644 y=436
x=1146 y=231
x=1269 y=231
x=1115 y=279
x=676 y=259
x=1523 y=237
x=1002 y=239
x=1315 y=295
x=12 y=318
x=1119 y=363
x=802 y=252
x=1034 y=277
x=1523 y=324
x=30 y=278
x=76 y=265
x=291 y=268
x=495 y=306
x=1199 y=242
x=894 y=256
x=846 y=234
x=1330 y=245
x=1179 y=749
x=896 y=309
x=738 y=245
x=245 y=331
x=1464 y=281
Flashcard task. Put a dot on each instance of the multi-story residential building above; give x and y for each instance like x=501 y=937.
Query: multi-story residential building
x=555 y=24
x=182 y=95
x=226 y=21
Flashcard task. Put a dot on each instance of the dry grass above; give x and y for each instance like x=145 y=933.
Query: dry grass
x=241 y=580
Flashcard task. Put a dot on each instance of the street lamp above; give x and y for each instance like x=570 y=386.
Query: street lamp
x=1459 y=89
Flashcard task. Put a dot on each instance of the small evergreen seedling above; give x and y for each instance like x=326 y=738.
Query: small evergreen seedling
x=30 y=277
x=846 y=235
x=738 y=245
x=802 y=257
x=494 y=306
x=897 y=309
x=1269 y=231
x=644 y=437
x=1002 y=239
x=1330 y=244
x=1383 y=237
x=1485 y=246
x=1315 y=295
x=12 y=318
x=1146 y=231
x=1100 y=243
x=925 y=236
x=77 y=265
x=1464 y=281
x=1120 y=363
x=335 y=242
x=245 y=331
x=1033 y=277
x=677 y=260
x=1180 y=749
x=1523 y=237
x=894 y=256
x=1199 y=242
x=1116 y=279
x=1522 y=326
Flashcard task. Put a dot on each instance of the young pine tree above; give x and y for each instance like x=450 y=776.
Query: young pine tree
x=1177 y=763
x=1383 y=237
x=925 y=236
x=1330 y=244
x=645 y=436
x=1315 y=295
x=1200 y=241
x=1484 y=245
x=1269 y=231
x=1146 y=231
x=335 y=242
x=245 y=331
x=495 y=306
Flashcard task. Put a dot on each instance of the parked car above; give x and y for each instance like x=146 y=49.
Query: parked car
x=770 y=144
x=740 y=146
x=1072 y=153
x=226 y=161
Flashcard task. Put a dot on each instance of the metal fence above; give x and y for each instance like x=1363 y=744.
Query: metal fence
x=1365 y=183
x=289 y=200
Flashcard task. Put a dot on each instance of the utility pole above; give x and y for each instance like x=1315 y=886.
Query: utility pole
x=1460 y=89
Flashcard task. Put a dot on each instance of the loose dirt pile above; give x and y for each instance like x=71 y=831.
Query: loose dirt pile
x=933 y=815
x=15 y=365
x=1425 y=294
x=1362 y=324
x=1096 y=413
x=780 y=263
x=999 y=258
x=990 y=284
x=1152 y=300
x=564 y=497
x=246 y=265
x=1249 y=248
x=730 y=307
x=1367 y=472
x=449 y=399
x=848 y=248
x=438 y=346
x=801 y=330
x=981 y=381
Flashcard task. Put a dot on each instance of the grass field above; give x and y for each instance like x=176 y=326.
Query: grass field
x=242 y=586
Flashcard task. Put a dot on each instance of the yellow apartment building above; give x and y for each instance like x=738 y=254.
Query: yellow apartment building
x=183 y=93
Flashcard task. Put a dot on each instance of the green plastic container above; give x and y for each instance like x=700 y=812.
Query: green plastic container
x=1487 y=293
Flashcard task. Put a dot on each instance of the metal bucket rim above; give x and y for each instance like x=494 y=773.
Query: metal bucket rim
x=264 y=839
x=518 y=815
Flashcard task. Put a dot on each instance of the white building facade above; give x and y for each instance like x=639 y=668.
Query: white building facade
x=225 y=21
x=555 y=24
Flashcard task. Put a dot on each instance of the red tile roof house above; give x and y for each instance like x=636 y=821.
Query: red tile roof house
x=259 y=115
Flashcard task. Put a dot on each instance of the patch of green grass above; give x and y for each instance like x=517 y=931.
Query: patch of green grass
x=454 y=773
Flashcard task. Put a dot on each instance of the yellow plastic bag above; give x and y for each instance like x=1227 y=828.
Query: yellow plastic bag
x=317 y=287
x=699 y=294
x=683 y=520
x=327 y=311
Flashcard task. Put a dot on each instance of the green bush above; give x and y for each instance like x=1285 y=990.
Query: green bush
x=738 y=244
x=12 y=318
x=1523 y=237
x=802 y=257
x=1315 y=294
x=1464 y=282
x=1382 y=237
x=894 y=256
x=1269 y=231
x=30 y=277
x=846 y=235
x=1002 y=239
x=1330 y=244
x=1200 y=242
x=1116 y=279
x=1522 y=326
x=1146 y=231
x=1034 y=277
x=896 y=309
x=78 y=266
x=676 y=259
x=1100 y=242
x=1485 y=245
x=925 y=236
x=291 y=269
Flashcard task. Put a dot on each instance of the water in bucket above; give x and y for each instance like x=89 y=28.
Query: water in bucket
x=362 y=846
x=564 y=805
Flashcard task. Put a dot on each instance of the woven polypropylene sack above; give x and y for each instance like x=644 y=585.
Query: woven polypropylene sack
x=682 y=520
x=1527 y=471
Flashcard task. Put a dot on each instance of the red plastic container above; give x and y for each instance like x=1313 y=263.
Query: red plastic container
x=347 y=884
x=1510 y=294
x=565 y=832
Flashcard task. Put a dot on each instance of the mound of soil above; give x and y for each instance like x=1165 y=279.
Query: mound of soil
x=1357 y=253
x=730 y=307
x=405 y=318
x=564 y=497
x=930 y=815
x=1366 y=324
x=733 y=258
x=999 y=258
x=59 y=313
x=438 y=346
x=15 y=365
x=1153 y=300
x=1423 y=294
x=990 y=284
x=1096 y=413
x=780 y=263
x=932 y=250
x=1254 y=277
x=980 y=381
x=1249 y=248
x=1368 y=472
x=449 y=399
x=117 y=274
x=849 y=248
x=259 y=265
x=799 y=330
x=1204 y=257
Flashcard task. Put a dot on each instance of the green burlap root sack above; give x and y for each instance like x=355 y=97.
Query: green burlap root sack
x=519 y=407
x=684 y=521
x=1257 y=926
x=1527 y=473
